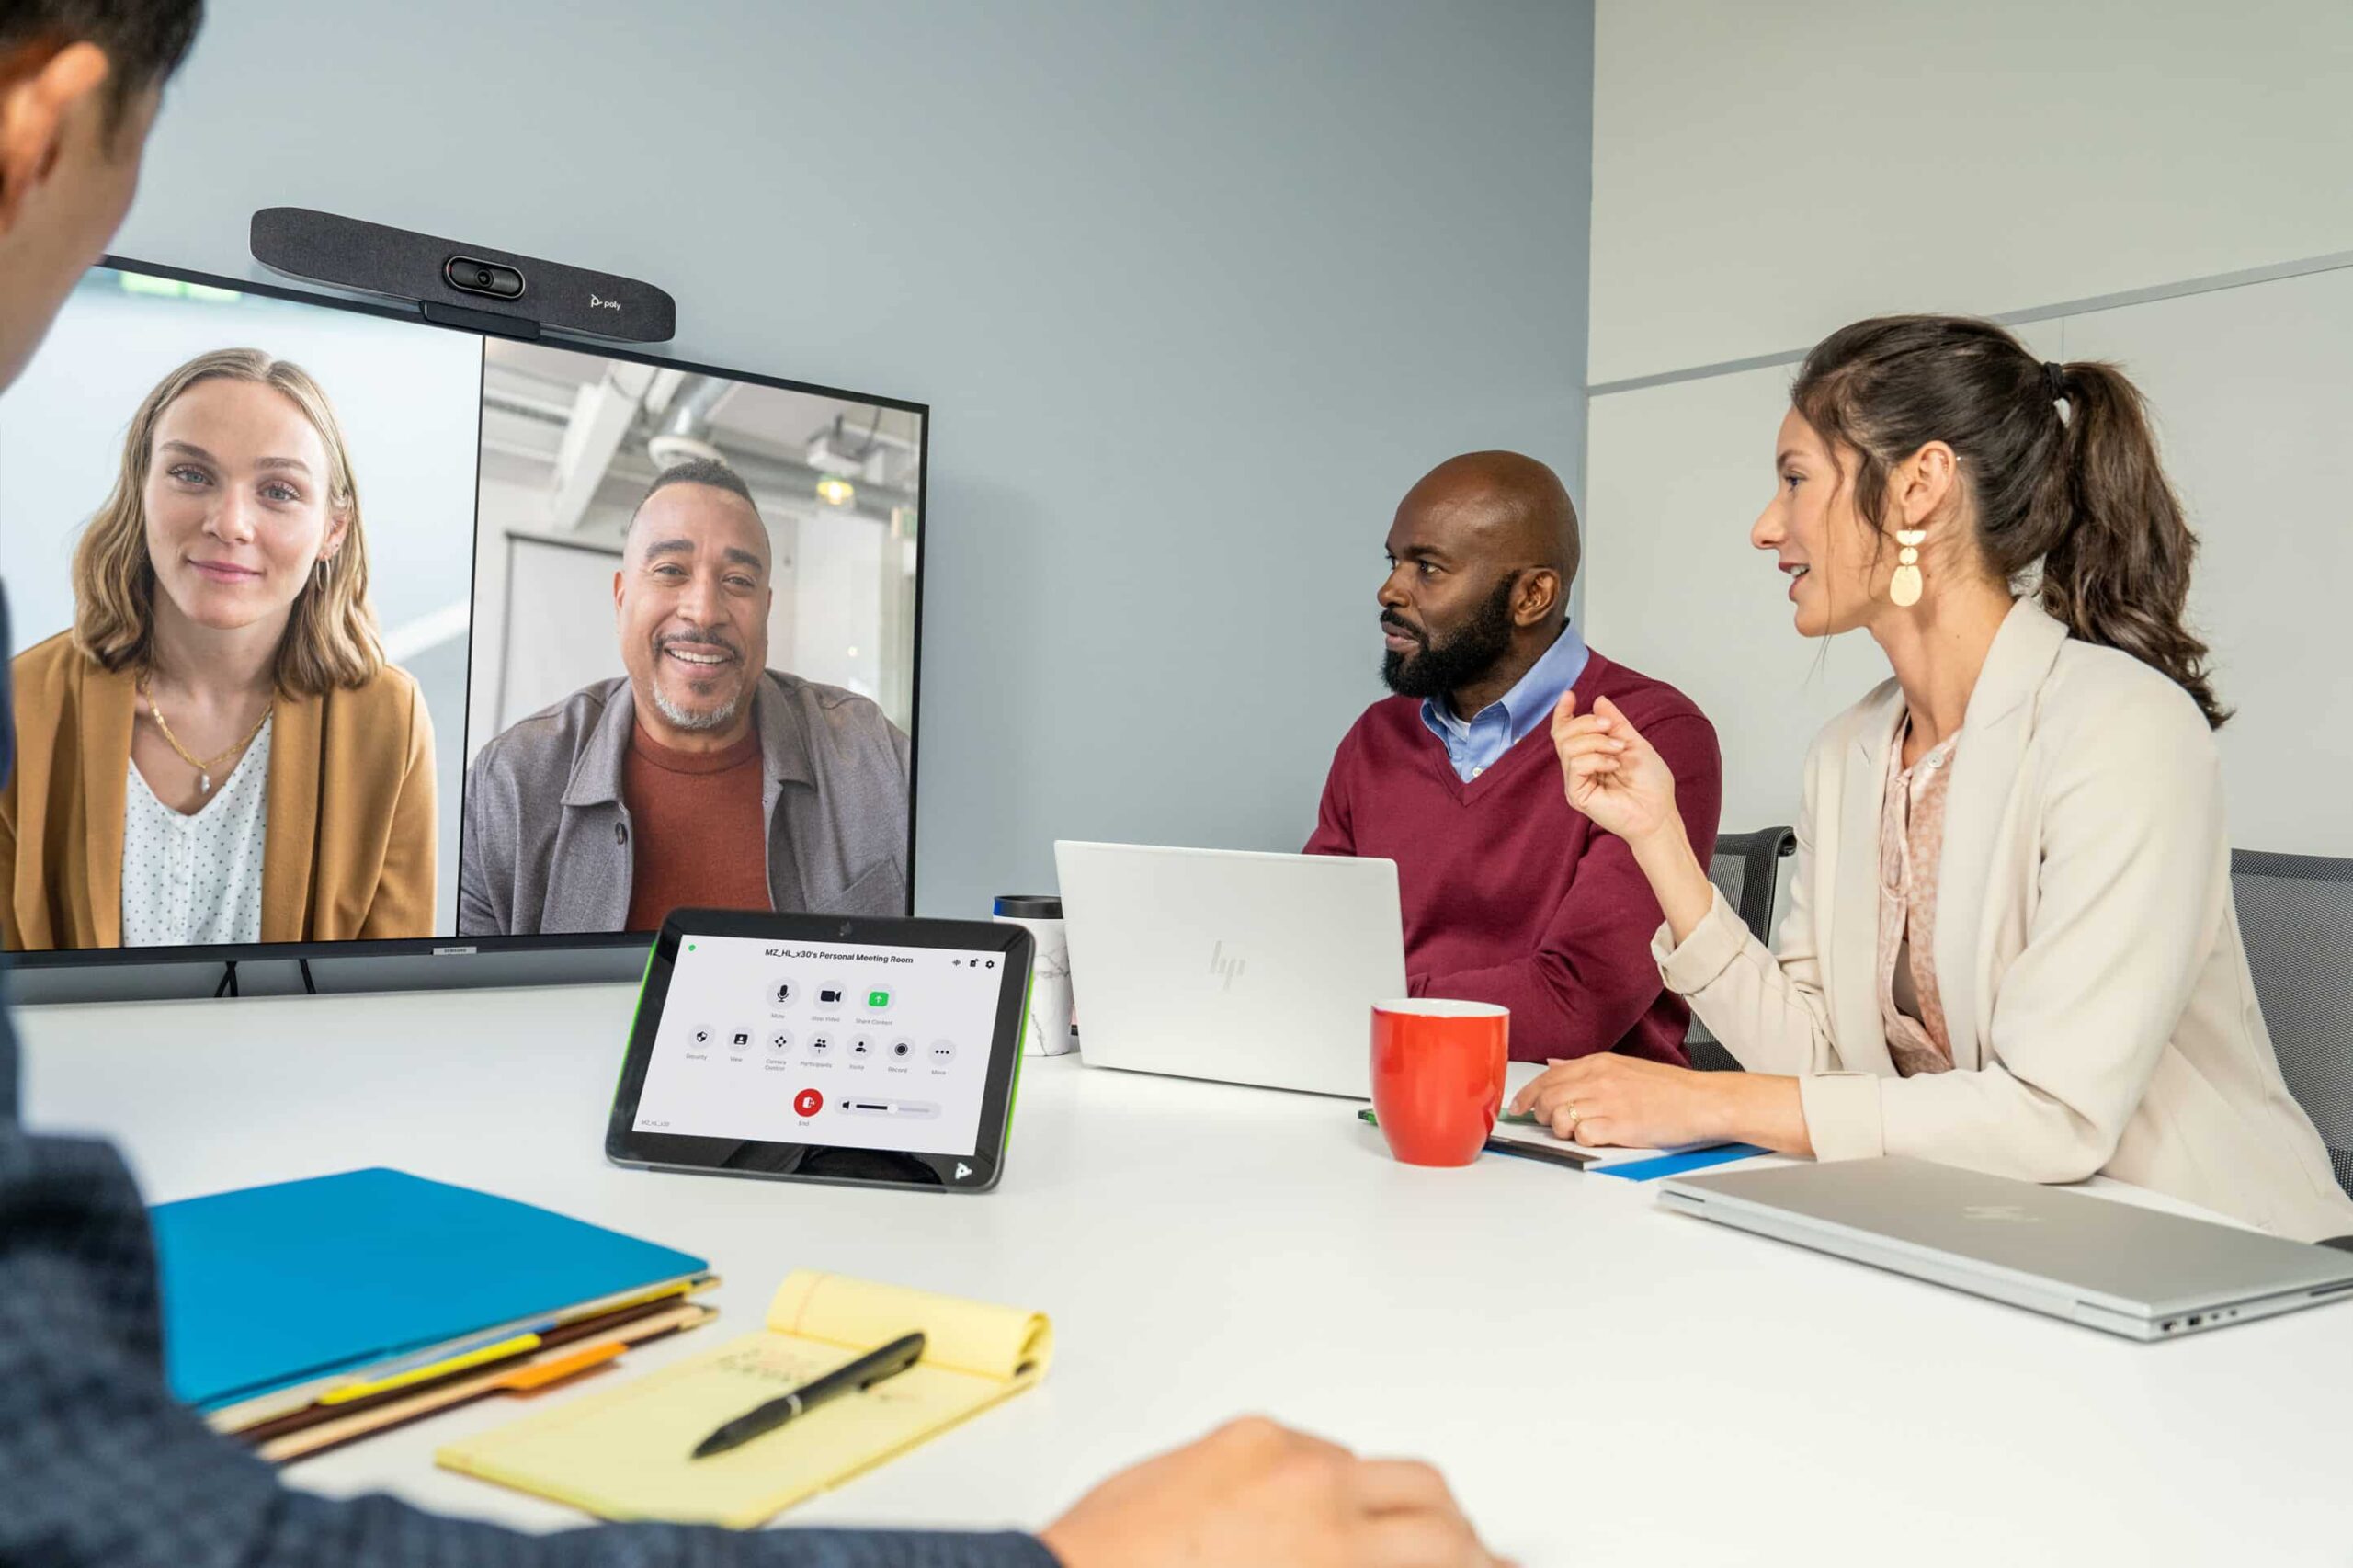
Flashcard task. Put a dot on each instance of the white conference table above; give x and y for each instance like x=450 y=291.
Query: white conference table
x=1602 y=1383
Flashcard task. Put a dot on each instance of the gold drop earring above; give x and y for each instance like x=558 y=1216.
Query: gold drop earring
x=1905 y=589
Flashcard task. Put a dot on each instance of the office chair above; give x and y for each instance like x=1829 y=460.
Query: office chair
x=1745 y=867
x=2296 y=918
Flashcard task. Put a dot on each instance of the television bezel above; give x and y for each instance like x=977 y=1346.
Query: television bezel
x=453 y=945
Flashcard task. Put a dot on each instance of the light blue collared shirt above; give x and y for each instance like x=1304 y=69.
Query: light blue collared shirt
x=1475 y=745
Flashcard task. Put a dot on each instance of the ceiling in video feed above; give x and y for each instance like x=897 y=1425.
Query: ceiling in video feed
x=569 y=442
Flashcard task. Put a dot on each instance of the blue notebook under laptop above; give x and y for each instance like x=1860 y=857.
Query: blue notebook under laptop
x=274 y=1288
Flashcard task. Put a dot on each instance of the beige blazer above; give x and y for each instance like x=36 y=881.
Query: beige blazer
x=2098 y=995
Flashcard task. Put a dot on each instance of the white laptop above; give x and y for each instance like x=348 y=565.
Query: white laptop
x=1229 y=964
x=2113 y=1265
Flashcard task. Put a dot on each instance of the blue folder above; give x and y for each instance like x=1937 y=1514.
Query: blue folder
x=1675 y=1164
x=276 y=1286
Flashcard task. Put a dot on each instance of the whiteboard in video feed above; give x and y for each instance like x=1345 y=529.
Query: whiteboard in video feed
x=2253 y=389
x=1674 y=589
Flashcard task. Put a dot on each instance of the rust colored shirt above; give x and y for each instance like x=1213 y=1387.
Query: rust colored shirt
x=697 y=839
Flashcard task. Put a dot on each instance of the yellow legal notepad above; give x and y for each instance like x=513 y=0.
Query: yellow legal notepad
x=623 y=1454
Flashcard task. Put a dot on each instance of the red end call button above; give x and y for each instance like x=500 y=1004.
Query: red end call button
x=808 y=1102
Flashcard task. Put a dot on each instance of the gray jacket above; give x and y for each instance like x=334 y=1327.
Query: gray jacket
x=546 y=843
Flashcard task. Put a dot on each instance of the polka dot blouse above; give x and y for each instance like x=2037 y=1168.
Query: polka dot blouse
x=193 y=879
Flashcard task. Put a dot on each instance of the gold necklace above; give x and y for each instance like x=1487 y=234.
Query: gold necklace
x=203 y=769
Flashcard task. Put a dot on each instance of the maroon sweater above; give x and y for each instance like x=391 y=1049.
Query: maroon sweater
x=1510 y=895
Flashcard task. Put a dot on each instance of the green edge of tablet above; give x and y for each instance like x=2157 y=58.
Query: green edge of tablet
x=643 y=976
x=1013 y=1097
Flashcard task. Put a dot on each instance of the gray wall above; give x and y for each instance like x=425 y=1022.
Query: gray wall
x=1196 y=292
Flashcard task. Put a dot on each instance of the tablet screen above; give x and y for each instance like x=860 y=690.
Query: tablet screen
x=841 y=1044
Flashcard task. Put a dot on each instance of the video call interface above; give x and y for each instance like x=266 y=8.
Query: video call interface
x=467 y=637
x=839 y=1044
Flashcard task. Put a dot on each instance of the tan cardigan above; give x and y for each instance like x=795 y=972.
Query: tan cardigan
x=2097 y=991
x=349 y=848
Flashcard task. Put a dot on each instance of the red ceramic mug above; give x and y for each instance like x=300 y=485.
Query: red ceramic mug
x=1438 y=1077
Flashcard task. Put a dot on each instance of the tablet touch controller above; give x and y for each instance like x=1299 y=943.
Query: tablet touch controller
x=839 y=1044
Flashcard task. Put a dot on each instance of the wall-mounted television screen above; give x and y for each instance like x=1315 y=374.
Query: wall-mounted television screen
x=337 y=630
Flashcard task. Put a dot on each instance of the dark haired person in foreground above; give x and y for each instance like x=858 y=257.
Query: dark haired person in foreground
x=99 y=1465
x=1508 y=896
x=2010 y=943
x=700 y=777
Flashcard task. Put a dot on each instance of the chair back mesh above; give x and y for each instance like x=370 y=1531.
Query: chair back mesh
x=1745 y=868
x=2295 y=915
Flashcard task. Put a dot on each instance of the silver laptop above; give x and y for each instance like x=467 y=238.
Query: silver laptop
x=1229 y=964
x=2113 y=1265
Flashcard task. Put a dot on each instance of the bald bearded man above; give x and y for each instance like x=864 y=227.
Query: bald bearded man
x=1509 y=895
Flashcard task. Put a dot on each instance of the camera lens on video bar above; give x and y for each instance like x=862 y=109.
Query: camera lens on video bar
x=477 y=277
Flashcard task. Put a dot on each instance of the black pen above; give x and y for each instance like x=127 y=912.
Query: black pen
x=853 y=1378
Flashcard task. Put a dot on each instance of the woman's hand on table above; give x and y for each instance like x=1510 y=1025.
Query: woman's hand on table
x=1607 y=1098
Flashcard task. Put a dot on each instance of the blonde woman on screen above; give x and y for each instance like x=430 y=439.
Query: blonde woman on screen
x=2009 y=942
x=217 y=752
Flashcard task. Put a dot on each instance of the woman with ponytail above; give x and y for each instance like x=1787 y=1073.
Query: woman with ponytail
x=2009 y=942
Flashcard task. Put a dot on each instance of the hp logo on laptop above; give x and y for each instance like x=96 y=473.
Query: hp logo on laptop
x=1227 y=967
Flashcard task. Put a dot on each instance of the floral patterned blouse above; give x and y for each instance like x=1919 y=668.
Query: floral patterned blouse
x=1911 y=840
